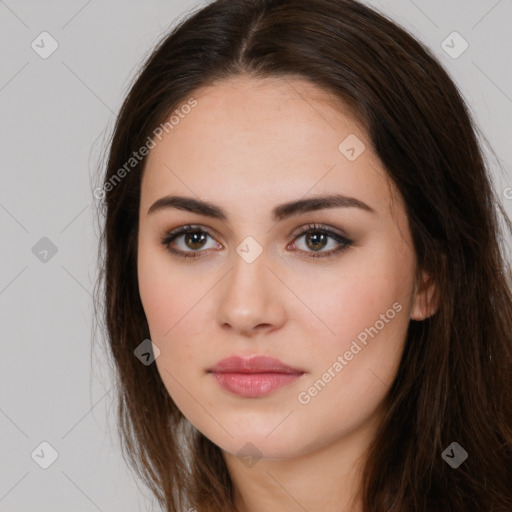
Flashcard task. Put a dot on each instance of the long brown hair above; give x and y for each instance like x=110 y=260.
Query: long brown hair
x=454 y=382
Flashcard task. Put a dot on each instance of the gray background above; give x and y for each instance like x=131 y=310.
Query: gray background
x=55 y=116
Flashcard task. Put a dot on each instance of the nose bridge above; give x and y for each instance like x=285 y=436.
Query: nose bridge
x=249 y=273
x=250 y=296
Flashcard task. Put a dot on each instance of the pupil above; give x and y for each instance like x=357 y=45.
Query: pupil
x=315 y=238
x=198 y=243
x=310 y=237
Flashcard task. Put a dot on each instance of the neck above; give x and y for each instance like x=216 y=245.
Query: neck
x=324 y=478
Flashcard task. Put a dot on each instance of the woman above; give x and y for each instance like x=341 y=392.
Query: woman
x=299 y=218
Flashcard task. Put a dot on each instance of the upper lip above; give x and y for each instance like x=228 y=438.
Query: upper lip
x=254 y=364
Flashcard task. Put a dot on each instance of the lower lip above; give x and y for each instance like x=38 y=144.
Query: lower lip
x=254 y=385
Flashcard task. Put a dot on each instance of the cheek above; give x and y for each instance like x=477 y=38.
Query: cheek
x=165 y=293
x=154 y=291
x=352 y=370
x=174 y=309
x=355 y=297
x=367 y=313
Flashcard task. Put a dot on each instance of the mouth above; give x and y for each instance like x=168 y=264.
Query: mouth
x=253 y=377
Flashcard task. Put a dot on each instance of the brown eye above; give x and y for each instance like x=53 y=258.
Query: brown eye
x=317 y=238
x=316 y=241
x=194 y=239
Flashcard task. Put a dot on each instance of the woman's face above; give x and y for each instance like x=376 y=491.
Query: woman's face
x=328 y=292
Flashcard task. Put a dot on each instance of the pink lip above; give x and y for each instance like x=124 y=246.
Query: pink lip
x=253 y=377
x=254 y=364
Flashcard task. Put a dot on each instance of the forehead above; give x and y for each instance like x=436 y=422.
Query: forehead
x=258 y=141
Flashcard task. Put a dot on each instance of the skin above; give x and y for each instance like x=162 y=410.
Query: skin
x=249 y=145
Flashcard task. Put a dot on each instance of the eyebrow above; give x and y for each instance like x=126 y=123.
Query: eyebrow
x=280 y=212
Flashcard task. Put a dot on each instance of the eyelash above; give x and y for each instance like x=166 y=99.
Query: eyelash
x=310 y=228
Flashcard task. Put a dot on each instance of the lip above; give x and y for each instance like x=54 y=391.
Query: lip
x=253 y=377
x=254 y=364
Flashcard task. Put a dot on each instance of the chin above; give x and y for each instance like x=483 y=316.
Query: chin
x=255 y=445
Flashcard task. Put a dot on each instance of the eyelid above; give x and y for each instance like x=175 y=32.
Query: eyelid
x=335 y=234
x=319 y=227
x=168 y=233
x=171 y=234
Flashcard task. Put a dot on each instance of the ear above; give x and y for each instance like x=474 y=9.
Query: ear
x=425 y=298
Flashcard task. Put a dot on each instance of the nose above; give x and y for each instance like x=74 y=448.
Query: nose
x=252 y=298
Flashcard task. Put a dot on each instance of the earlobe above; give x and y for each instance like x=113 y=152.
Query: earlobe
x=425 y=299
